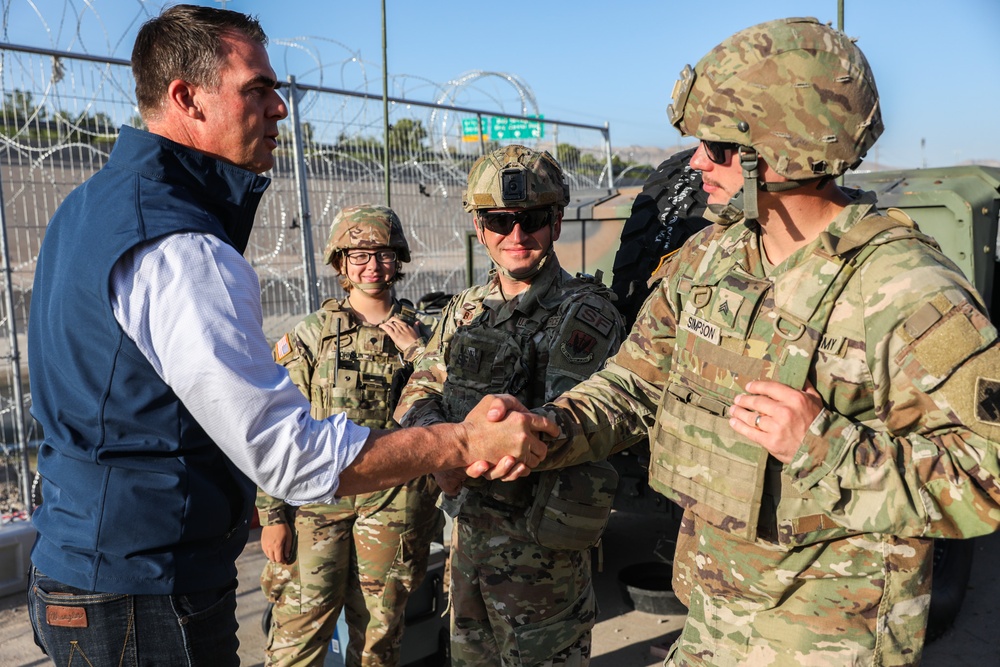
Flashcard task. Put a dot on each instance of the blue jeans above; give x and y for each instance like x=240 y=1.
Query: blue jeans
x=74 y=626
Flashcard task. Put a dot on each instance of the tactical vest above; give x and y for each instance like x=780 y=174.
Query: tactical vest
x=733 y=328
x=505 y=359
x=493 y=360
x=357 y=369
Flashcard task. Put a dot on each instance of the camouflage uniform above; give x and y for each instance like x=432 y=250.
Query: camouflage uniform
x=521 y=591
x=514 y=602
x=366 y=553
x=827 y=559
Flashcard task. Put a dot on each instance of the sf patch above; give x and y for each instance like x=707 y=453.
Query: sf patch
x=579 y=348
x=988 y=401
x=595 y=318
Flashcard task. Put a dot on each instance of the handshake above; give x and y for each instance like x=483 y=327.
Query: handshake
x=499 y=439
x=503 y=439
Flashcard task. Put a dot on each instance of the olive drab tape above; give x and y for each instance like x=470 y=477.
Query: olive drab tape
x=724 y=479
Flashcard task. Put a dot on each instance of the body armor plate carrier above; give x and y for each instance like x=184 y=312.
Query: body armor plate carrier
x=733 y=328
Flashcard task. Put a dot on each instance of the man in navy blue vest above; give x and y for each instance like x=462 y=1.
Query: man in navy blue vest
x=152 y=379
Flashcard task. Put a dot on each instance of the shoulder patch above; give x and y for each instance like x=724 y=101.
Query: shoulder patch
x=467 y=314
x=988 y=401
x=939 y=337
x=282 y=348
x=579 y=349
x=595 y=318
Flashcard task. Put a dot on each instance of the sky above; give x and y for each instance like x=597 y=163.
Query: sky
x=936 y=64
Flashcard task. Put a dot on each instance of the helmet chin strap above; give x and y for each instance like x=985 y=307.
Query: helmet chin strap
x=371 y=288
x=726 y=214
x=743 y=205
x=527 y=274
x=751 y=181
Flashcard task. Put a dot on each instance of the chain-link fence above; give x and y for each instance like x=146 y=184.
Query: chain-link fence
x=58 y=122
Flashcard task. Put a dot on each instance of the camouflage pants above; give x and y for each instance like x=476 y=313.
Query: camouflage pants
x=514 y=603
x=364 y=555
x=859 y=600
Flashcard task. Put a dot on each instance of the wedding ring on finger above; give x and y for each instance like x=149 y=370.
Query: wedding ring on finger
x=756 y=422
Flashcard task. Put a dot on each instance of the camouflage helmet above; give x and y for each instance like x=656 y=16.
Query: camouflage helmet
x=366 y=226
x=515 y=177
x=799 y=92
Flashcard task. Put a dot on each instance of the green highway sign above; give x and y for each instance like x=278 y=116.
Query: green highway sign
x=500 y=128
x=470 y=132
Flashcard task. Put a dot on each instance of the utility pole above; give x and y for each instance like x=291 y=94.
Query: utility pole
x=385 y=111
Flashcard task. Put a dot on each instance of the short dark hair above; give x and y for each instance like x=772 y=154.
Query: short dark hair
x=184 y=42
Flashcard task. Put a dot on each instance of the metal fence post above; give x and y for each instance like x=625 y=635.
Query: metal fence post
x=482 y=142
x=470 y=245
x=607 y=151
x=305 y=219
x=15 y=362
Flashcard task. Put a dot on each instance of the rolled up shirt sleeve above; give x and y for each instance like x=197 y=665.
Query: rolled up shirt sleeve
x=191 y=303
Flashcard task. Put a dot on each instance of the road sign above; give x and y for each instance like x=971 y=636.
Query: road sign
x=469 y=130
x=503 y=128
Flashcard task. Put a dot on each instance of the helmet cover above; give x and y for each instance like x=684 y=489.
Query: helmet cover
x=799 y=92
x=366 y=226
x=515 y=177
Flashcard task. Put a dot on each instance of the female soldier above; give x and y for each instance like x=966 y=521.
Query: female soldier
x=366 y=553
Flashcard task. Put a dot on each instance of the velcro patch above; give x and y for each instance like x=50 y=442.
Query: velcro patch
x=282 y=348
x=729 y=303
x=60 y=616
x=701 y=328
x=922 y=320
x=469 y=358
x=988 y=401
x=595 y=318
x=579 y=349
x=833 y=345
x=941 y=349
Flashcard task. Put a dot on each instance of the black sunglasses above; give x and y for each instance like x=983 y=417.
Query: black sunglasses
x=718 y=151
x=530 y=220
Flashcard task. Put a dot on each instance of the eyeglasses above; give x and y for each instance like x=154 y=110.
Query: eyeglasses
x=718 y=151
x=361 y=257
x=530 y=220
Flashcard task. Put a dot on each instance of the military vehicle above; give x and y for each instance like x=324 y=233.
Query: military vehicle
x=958 y=206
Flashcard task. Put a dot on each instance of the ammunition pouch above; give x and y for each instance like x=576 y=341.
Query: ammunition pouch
x=722 y=478
x=572 y=505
